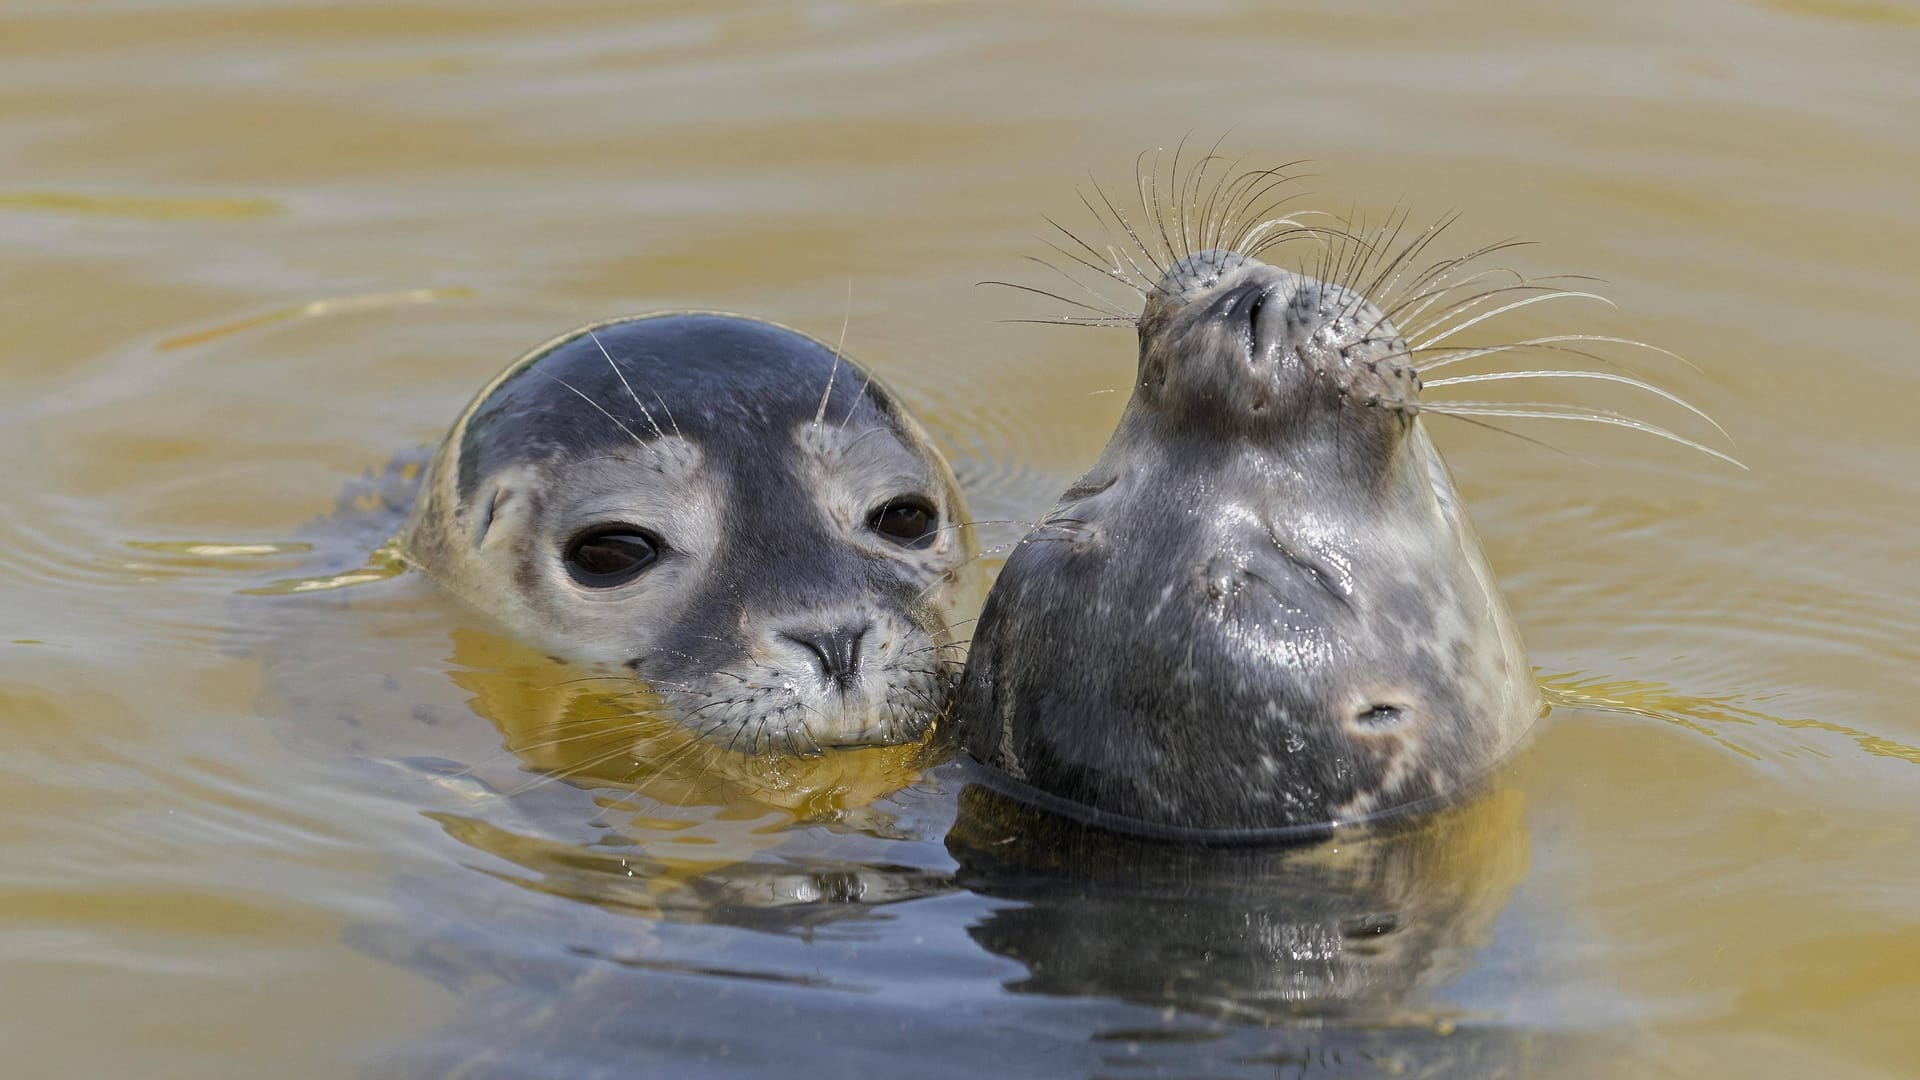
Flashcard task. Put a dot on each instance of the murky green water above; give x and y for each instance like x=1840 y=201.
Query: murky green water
x=226 y=856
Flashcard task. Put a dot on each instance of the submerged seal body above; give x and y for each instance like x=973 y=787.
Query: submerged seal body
x=728 y=509
x=1264 y=606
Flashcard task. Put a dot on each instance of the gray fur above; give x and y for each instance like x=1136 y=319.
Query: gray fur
x=1264 y=605
x=757 y=454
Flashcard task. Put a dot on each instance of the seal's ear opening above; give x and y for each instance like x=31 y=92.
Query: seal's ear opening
x=493 y=502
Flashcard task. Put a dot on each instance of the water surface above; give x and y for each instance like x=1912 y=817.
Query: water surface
x=254 y=248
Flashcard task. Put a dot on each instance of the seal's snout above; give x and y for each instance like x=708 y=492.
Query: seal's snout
x=834 y=651
x=1224 y=329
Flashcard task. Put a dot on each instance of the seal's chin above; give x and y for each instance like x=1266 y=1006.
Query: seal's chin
x=866 y=722
x=763 y=711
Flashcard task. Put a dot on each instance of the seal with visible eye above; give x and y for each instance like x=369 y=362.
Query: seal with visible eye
x=729 y=509
x=1263 y=607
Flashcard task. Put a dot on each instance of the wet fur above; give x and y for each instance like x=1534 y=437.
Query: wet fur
x=756 y=452
x=1264 y=606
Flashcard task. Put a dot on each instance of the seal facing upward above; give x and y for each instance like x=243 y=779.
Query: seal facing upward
x=1263 y=607
x=728 y=509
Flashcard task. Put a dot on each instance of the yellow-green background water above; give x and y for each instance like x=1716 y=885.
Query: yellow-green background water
x=196 y=842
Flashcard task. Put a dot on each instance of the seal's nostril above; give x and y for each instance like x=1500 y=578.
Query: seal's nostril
x=1253 y=314
x=836 y=651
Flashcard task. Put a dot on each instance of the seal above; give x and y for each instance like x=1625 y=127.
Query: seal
x=1263 y=608
x=731 y=511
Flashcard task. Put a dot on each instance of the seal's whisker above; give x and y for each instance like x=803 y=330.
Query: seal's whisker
x=1244 y=192
x=583 y=397
x=1116 y=271
x=1330 y=255
x=1384 y=285
x=576 y=682
x=1441 y=269
x=1428 y=285
x=1517 y=435
x=949 y=574
x=644 y=411
x=1111 y=308
x=698 y=662
x=1521 y=283
x=1375 y=242
x=1255 y=217
x=1148 y=189
x=1187 y=191
x=956 y=644
x=1414 y=325
x=668 y=409
x=1177 y=212
x=1053 y=296
x=1558 y=294
x=1399 y=315
x=1556 y=411
x=1381 y=252
x=1075 y=320
x=548 y=744
x=1260 y=239
x=1241 y=206
x=989 y=521
x=846 y=319
x=1593 y=376
x=1546 y=345
x=1190 y=201
x=1187 y=188
x=1208 y=234
x=672 y=765
x=1336 y=240
x=853 y=407
x=1391 y=270
x=572 y=770
x=1127 y=226
x=1113 y=273
x=1460 y=305
x=1118 y=253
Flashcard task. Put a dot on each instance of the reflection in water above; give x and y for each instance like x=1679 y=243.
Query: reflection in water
x=682 y=824
x=1355 y=929
x=1323 y=958
x=620 y=877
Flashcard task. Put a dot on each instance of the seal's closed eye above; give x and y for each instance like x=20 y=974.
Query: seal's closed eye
x=1286 y=541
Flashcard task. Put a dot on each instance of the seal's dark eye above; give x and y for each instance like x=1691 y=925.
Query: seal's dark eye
x=610 y=555
x=905 y=521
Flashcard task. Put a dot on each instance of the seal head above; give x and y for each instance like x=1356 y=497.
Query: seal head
x=1263 y=607
x=730 y=510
